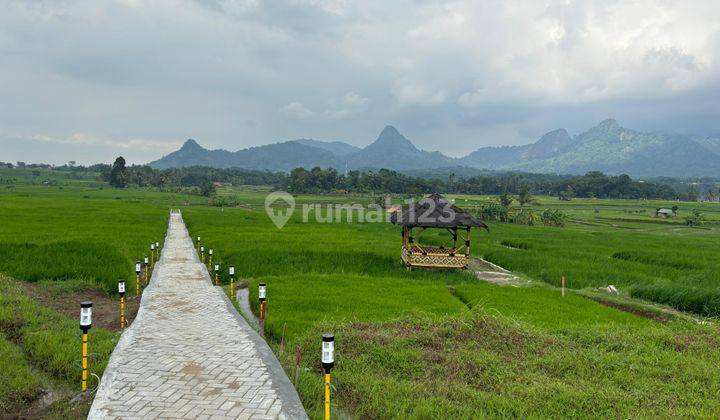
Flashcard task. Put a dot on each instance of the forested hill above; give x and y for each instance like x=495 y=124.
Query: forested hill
x=607 y=147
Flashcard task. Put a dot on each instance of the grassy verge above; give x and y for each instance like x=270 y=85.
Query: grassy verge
x=20 y=385
x=475 y=365
x=47 y=342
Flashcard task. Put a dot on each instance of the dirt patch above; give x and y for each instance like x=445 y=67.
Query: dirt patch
x=106 y=309
x=192 y=369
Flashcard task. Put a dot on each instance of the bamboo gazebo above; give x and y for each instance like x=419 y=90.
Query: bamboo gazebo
x=435 y=212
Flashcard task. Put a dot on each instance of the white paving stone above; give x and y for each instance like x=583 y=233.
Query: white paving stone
x=188 y=354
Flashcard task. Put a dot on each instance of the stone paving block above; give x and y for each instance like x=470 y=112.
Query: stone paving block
x=188 y=354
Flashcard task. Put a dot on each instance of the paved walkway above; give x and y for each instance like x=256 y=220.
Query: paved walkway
x=188 y=354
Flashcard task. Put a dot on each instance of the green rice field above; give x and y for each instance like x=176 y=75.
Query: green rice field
x=410 y=344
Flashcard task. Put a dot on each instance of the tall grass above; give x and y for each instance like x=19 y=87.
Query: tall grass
x=59 y=235
x=474 y=365
x=49 y=339
x=19 y=384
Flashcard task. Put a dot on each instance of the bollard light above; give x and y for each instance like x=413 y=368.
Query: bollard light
x=262 y=295
x=217 y=274
x=157 y=245
x=121 y=292
x=147 y=274
x=198 y=239
x=138 y=268
x=147 y=260
x=85 y=324
x=85 y=316
x=210 y=251
x=152 y=247
x=231 y=286
x=202 y=248
x=328 y=352
x=328 y=361
x=262 y=292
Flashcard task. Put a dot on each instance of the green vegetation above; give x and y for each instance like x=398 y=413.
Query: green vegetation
x=50 y=340
x=332 y=297
x=19 y=384
x=438 y=343
x=473 y=365
x=421 y=343
x=69 y=235
x=91 y=233
x=592 y=184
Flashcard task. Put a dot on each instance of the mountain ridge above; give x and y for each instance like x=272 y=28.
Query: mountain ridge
x=606 y=147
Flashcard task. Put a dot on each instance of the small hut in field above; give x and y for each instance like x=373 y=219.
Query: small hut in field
x=435 y=212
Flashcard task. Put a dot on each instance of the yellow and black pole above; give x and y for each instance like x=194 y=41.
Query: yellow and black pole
x=147 y=275
x=85 y=324
x=152 y=253
x=217 y=273
x=157 y=251
x=121 y=292
x=210 y=252
x=138 y=269
x=231 y=271
x=198 y=244
x=202 y=254
x=328 y=361
x=262 y=296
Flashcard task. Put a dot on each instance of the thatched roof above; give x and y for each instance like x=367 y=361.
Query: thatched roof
x=435 y=211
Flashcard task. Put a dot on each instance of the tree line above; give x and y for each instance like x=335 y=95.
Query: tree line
x=318 y=180
x=592 y=184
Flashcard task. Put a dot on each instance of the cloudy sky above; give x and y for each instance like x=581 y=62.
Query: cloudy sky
x=90 y=80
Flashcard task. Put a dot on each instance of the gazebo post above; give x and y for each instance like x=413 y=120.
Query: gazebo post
x=454 y=233
x=467 y=242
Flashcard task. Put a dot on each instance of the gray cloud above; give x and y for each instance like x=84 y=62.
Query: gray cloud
x=89 y=80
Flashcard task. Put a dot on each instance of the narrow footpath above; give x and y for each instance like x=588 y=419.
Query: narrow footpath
x=188 y=354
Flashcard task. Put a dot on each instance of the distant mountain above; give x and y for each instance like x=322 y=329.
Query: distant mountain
x=392 y=150
x=276 y=157
x=338 y=148
x=607 y=147
x=712 y=144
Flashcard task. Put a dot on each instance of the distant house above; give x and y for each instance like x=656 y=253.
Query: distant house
x=664 y=213
x=217 y=184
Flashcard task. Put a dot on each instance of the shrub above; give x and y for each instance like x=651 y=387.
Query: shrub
x=524 y=217
x=695 y=219
x=553 y=218
x=494 y=212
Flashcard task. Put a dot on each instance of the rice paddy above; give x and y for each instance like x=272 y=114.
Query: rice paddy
x=418 y=344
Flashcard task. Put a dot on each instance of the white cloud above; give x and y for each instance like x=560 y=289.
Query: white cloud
x=184 y=68
x=420 y=95
x=352 y=99
x=297 y=110
x=89 y=139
